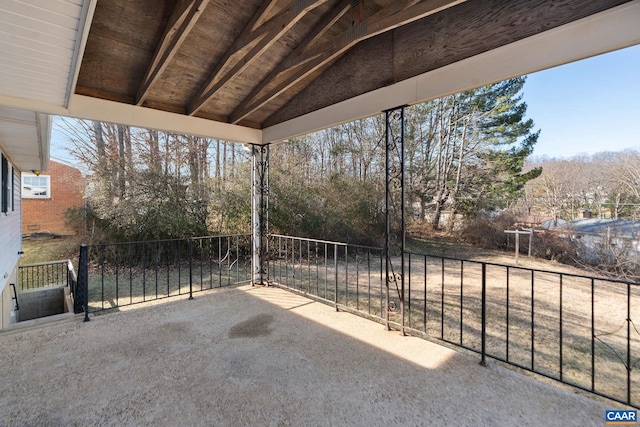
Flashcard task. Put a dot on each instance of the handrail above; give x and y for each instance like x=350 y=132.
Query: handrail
x=15 y=296
x=44 y=263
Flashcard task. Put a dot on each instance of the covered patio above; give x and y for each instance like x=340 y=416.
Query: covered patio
x=261 y=356
x=260 y=73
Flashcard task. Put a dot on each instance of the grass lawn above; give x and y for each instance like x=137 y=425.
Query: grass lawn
x=41 y=250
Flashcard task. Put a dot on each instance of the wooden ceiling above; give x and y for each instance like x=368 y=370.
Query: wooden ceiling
x=260 y=63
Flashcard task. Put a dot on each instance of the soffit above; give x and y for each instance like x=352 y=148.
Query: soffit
x=24 y=138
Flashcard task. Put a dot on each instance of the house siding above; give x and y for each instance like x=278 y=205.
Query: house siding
x=11 y=245
x=67 y=191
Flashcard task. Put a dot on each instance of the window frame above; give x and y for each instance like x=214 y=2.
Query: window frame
x=27 y=194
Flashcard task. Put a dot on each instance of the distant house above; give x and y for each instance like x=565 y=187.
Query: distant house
x=596 y=234
x=530 y=221
x=47 y=196
x=553 y=223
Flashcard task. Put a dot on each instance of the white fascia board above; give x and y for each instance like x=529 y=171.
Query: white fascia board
x=33 y=105
x=43 y=123
x=86 y=16
x=607 y=31
x=84 y=107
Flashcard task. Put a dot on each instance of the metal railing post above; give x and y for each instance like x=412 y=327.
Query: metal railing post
x=533 y=324
x=483 y=361
x=394 y=226
x=560 y=331
x=260 y=214
x=629 y=344
x=190 y=268
x=593 y=338
x=335 y=262
x=83 y=278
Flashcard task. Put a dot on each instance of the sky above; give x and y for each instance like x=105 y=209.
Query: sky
x=584 y=107
x=58 y=144
x=588 y=106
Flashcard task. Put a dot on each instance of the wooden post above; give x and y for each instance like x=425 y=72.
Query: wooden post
x=528 y=231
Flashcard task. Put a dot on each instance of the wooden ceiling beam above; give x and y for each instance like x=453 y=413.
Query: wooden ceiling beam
x=400 y=13
x=318 y=31
x=251 y=32
x=184 y=16
x=259 y=18
x=267 y=34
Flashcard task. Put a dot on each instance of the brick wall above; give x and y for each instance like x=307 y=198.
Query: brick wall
x=67 y=191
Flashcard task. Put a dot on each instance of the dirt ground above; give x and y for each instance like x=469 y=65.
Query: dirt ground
x=261 y=356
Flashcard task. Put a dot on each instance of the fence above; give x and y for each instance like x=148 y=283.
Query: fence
x=34 y=276
x=119 y=274
x=575 y=329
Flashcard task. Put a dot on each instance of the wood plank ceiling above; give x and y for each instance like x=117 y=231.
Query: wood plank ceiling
x=259 y=63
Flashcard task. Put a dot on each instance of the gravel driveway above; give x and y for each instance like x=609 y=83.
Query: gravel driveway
x=261 y=356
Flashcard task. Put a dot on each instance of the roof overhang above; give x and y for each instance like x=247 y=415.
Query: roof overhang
x=41 y=45
x=24 y=138
x=604 y=32
x=284 y=67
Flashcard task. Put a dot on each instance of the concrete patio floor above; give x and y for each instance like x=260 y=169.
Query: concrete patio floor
x=261 y=356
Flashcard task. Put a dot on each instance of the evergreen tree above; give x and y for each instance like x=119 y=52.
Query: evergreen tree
x=474 y=145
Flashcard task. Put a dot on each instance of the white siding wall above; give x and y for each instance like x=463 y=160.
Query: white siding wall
x=10 y=245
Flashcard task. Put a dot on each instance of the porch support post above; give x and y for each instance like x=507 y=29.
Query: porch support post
x=260 y=214
x=394 y=245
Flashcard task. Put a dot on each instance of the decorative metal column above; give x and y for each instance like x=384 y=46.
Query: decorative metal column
x=260 y=214
x=394 y=245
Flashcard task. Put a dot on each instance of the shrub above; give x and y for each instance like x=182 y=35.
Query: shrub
x=487 y=230
x=552 y=247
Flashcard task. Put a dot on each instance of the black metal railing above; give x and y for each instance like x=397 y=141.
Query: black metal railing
x=78 y=283
x=344 y=275
x=34 y=276
x=579 y=330
x=112 y=275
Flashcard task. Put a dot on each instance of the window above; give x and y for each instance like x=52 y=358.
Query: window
x=6 y=188
x=36 y=187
